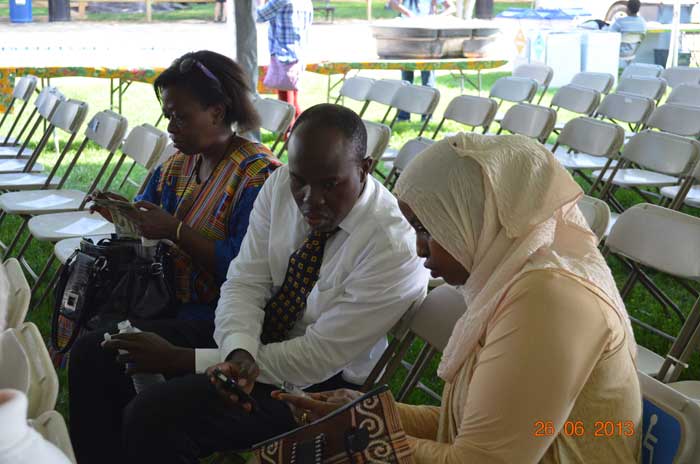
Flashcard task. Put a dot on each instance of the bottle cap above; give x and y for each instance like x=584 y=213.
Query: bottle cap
x=124 y=325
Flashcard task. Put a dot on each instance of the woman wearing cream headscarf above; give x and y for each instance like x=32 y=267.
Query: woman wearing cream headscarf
x=544 y=356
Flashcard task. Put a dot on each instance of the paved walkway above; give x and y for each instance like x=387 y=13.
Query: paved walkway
x=157 y=44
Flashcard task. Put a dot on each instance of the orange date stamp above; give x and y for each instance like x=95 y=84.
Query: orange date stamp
x=598 y=429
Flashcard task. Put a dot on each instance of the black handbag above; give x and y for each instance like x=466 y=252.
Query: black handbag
x=109 y=281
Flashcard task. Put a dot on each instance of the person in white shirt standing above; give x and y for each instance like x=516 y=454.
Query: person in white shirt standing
x=327 y=267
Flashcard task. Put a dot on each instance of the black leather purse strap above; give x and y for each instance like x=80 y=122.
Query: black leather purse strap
x=75 y=284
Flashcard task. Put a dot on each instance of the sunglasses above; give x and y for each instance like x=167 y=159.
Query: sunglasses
x=187 y=64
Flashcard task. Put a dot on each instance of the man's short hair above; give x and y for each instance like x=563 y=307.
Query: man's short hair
x=633 y=6
x=344 y=120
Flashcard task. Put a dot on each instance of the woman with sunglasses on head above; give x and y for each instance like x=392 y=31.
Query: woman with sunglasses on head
x=541 y=366
x=200 y=199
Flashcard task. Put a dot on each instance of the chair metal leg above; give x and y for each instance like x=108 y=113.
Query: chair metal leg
x=126 y=177
x=47 y=291
x=23 y=261
x=43 y=272
x=395 y=362
x=15 y=240
x=381 y=364
x=685 y=345
x=424 y=357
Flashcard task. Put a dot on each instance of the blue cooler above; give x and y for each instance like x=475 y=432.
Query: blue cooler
x=21 y=11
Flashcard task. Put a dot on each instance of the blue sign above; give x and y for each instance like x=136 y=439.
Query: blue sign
x=661 y=435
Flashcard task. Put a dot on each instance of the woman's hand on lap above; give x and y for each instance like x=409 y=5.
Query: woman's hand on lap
x=318 y=405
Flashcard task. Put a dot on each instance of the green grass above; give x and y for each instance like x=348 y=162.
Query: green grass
x=140 y=106
x=344 y=10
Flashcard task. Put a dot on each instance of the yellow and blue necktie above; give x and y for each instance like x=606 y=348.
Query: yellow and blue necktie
x=287 y=306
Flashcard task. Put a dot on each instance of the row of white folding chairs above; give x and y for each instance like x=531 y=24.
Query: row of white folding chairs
x=652 y=237
x=397 y=95
x=623 y=107
x=520 y=89
x=579 y=150
x=652 y=80
x=15 y=157
x=675 y=76
x=651 y=160
x=25 y=365
x=527 y=119
x=50 y=212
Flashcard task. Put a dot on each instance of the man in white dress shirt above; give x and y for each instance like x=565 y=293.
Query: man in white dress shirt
x=327 y=267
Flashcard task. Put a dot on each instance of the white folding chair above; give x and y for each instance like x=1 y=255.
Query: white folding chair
x=649 y=87
x=514 y=89
x=42 y=390
x=411 y=99
x=23 y=91
x=600 y=82
x=12 y=157
x=670 y=424
x=650 y=159
x=597 y=214
x=681 y=75
x=383 y=92
x=417 y=99
x=471 y=111
x=685 y=94
x=14 y=363
x=18 y=293
x=642 y=70
x=358 y=89
x=578 y=100
x=432 y=322
x=631 y=109
x=52 y=427
x=378 y=136
x=533 y=121
x=144 y=144
x=540 y=73
x=652 y=237
x=275 y=116
x=106 y=129
x=406 y=154
x=68 y=117
x=587 y=143
x=676 y=119
x=687 y=193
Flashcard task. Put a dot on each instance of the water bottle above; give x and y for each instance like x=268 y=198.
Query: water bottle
x=148 y=248
x=142 y=380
